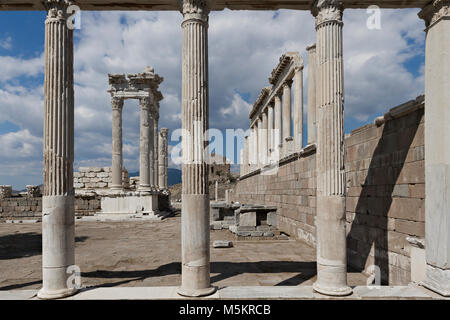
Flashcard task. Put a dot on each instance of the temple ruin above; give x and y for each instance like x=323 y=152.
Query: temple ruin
x=345 y=195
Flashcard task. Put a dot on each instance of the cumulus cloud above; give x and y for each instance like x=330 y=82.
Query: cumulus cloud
x=6 y=43
x=244 y=47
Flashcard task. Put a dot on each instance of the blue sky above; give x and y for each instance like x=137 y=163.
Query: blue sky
x=383 y=68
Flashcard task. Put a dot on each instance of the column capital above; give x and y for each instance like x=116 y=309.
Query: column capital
x=327 y=10
x=287 y=83
x=195 y=9
x=435 y=11
x=57 y=9
x=144 y=102
x=117 y=103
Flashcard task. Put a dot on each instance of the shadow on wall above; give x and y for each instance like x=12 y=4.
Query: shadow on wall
x=370 y=224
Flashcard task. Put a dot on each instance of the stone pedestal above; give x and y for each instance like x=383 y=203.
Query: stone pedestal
x=117 y=157
x=437 y=150
x=330 y=217
x=195 y=278
x=58 y=214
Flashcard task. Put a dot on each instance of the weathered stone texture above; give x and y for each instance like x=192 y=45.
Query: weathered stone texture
x=97 y=178
x=384 y=200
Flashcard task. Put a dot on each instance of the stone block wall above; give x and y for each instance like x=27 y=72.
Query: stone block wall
x=96 y=178
x=20 y=207
x=385 y=193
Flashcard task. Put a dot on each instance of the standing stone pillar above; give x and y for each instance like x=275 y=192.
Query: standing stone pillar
x=163 y=158
x=58 y=213
x=330 y=217
x=256 y=141
x=153 y=180
x=270 y=131
x=195 y=277
x=246 y=154
x=311 y=93
x=286 y=112
x=278 y=137
x=298 y=108
x=117 y=156
x=156 y=148
x=145 y=144
x=260 y=143
x=264 y=138
x=216 y=193
x=437 y=148
x=252 y=149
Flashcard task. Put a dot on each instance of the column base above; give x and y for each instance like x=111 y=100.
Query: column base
x=437 y=280
x=333 y=291
x=185 y=292
x=56 y=294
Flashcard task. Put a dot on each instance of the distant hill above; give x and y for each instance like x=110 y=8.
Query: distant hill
x=174 y=176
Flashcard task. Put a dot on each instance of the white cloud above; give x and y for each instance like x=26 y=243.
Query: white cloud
x=244 y=47
x=6 y=43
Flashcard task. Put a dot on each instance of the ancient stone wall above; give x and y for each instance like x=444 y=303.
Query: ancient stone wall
x=96 y=178
x=385 y=192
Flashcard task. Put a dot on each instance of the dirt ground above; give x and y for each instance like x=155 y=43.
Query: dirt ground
x=144 y=253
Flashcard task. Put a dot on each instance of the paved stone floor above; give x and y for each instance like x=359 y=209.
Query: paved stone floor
x=148 y=253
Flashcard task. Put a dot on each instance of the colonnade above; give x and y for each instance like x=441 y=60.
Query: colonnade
x=58 y=206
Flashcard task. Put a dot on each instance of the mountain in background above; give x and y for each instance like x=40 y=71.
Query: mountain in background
x=174 y=176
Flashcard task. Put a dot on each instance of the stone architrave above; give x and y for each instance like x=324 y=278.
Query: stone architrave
x=58 y=212
x=117 y=155
x=437 y=150
x=163 y=158
x=311 y=93
x=195 y=255
x=330 y=217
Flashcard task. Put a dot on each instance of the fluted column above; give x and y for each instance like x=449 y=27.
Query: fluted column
x=163 y=158
x=298 y=108
x=117 y=156
x=437 y=148
x=58 y=214
x=260 y=142
x=311 y=93
x=278 y=136
x=270 y=131
x=330 y=217
x=195 y=278
x=264 y=139
x=286 y=110
x=246 y=154
x=252 y=148
x=156 y=149
x=145 y=144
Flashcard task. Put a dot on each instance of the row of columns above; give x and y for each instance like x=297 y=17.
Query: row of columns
x=153 y=160
x=58 y=206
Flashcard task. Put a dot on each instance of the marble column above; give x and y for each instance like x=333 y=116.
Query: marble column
x=286 y=110
x=311 y=93
x=163 y=158
x=252 y=148
x=117 y=156
x=278 y=136
x=58 y=213
x=156 y=148
x=270 y=131
x=330 y=216
x=260 y=142
x=216 y=195
x=145 y=144
x=437 y=148
x=153 y=179
x=264 y=137
x=298 y=108
x=195 y=255
x=246 y=154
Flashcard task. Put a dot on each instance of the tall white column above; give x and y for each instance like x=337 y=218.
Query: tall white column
x=246 y=154
x=117 y=155
x=58 y=214
x=330 y=217
x=195 y=278
x=286 y=110
x=278 y=136
x=260 y=142
x=163 y=158
x=437 y=147
x=311 y=93
x=270 y=131
x=298 y=108
x=264 y=138
x=156 y=148
x=145 y=144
